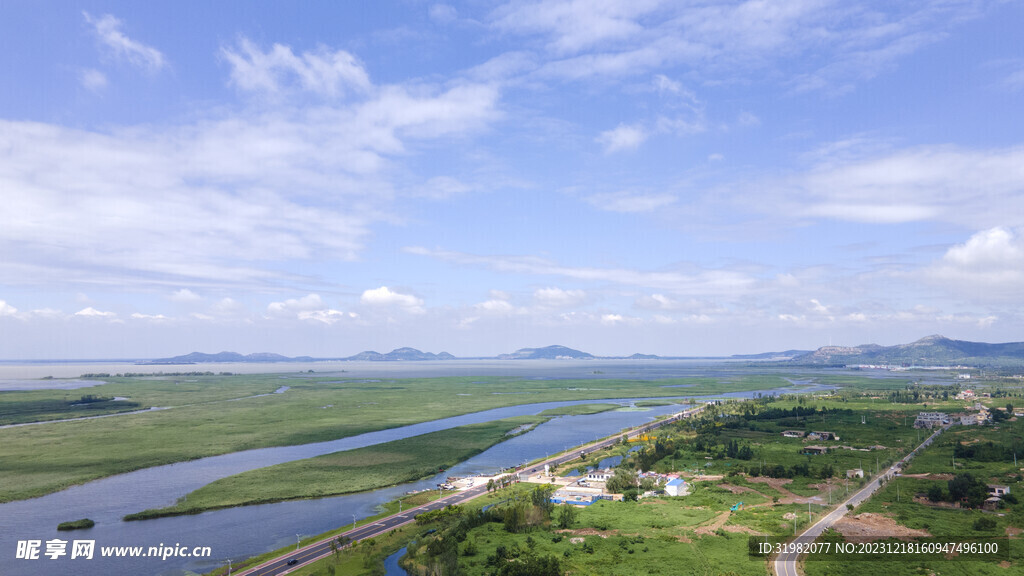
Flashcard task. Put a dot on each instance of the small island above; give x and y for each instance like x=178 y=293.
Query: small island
x=76 y=525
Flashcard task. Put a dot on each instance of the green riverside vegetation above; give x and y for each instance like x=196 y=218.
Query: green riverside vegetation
x=357 y=470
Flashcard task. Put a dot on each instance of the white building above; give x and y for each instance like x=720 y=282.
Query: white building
x=677 y=487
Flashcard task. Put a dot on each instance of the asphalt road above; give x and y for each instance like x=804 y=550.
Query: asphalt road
x=785 y=564
x=322 y=548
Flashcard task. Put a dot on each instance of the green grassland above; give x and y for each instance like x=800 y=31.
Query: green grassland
x=652 y=536
x=357 y=470
x=211 y=415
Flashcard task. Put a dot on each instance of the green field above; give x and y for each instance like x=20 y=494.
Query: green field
x=580 y=409
x=211 y=415
x=346 y=472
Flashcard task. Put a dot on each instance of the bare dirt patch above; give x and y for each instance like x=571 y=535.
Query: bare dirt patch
x=930 y=476
x=742 y=530
x=868 y=527
x=737 y=489
x=576 y=540
x=717 y=523
x=589 y=532
x=1013 y=531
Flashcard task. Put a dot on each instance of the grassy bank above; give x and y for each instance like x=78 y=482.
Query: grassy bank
x=580 y=409
x=346 y=472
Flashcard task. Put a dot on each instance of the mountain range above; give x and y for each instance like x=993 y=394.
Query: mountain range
x=929 y=351
x=932 y=350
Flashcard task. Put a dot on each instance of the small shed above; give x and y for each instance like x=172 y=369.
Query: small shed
x=676 y=487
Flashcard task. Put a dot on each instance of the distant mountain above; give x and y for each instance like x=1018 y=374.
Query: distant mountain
x=932 y=350
x=784 y=355
x=547 y=353
x=394 y=355
x=398 y=354
x=201 y=358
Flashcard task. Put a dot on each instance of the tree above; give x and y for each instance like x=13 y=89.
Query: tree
x=935 y=492
x=490 y=484
x=567 y=516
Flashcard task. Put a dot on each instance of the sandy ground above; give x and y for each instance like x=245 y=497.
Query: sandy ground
x=868 y=527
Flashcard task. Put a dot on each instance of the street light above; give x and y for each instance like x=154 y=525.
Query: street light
x=296 y=542
x=353 y=521
x=229 y=566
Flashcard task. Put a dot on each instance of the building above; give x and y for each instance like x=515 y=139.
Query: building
x=931 y=419
x=677 y=487
x=855 y=473
x=998 y=490
x=815 y=450
x=823 y=436
x=600 y=475
x=580 y=496
x=793 y=433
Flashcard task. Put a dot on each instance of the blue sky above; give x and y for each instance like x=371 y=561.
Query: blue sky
x=678 y=178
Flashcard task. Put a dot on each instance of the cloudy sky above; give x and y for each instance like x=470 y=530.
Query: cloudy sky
x=680 y=178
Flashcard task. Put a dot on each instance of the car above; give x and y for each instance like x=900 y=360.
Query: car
x=293 y=561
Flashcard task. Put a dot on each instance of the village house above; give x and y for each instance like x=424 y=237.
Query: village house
x=823 y=436
x=677 y=487
x=793 y=433
x=815 y=450
x=855 y=473
x=931 y=419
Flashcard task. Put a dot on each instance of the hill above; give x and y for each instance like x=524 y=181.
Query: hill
x=547 y=353
x=932 y=350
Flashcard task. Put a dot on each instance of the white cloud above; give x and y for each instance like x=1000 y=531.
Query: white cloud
x=443 y=13
x=969 y=188
x=631 y=202
x=91 y=312
x=989 y=266
x=495 y=307
x=294 y=306
x=324 y=72
x=327 y=316
x=717 y=282
x=558 y=298
x=574 y=25
x=92 y=79
x=185 y=295
x=6 y=309
x=108 y=30
x=150 y=317
x=208 y=203
x=818 y=44
x=622 y=137
x=385 y=297
x=611 y=319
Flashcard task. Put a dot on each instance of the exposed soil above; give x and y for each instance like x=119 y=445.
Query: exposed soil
x=742 y=530
x=717 y=523
x=589 y=532
x=738 y=489
x=930 y=476
x=868 y=527
x=1012 y=531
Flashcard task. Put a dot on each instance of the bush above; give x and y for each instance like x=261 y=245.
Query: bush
x=985 y=523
